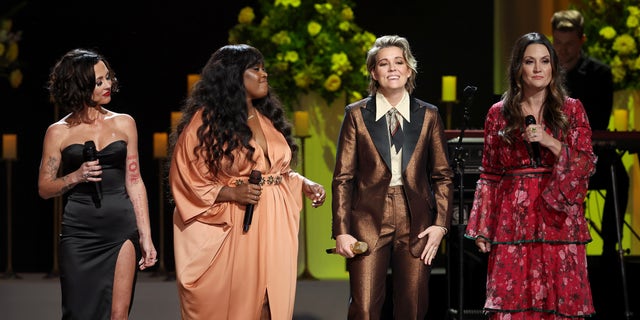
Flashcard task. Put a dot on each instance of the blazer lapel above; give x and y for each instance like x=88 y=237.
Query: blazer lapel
x=412 y=131
x=377 y=131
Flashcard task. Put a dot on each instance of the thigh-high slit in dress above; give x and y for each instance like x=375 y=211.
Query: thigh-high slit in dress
x=93 y=232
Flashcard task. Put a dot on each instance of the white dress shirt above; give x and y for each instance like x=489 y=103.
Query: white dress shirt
x=382 y=107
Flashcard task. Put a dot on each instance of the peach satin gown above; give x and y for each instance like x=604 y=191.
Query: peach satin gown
x=223 y=273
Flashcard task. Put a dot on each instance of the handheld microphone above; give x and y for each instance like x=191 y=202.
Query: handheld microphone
x=254 y=178
x=357 y=248
x=535 y=146
x=89 y=153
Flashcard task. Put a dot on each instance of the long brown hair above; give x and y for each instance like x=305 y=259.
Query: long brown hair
x=552 y=113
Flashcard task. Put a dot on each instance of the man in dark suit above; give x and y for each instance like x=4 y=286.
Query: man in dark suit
x=392 y=187
x=591 y=81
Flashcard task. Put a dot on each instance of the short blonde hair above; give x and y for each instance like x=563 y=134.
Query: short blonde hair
x=568 y=20
x=392 y=41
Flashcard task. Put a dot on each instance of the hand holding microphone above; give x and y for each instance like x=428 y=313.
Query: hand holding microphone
x=535 y=146
x=357 y=248
x=254 y=178
x=89 y=153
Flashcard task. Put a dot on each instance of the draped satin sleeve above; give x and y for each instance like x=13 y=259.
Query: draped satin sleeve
x=194 y=189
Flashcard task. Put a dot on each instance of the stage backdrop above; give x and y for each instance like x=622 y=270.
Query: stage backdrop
x=319 y=161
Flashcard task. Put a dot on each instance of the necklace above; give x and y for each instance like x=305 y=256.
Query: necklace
x=252 y=114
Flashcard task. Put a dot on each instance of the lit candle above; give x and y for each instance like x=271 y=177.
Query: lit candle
x=448 y=88
x=175 y=119
x=301 y=123
x=160 y=145
x=621 y=119
x=9 y=146
x=191 y=81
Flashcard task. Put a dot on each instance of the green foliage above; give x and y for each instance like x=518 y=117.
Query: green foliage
x=308 y=46
x=9 y=50
x=613 y=33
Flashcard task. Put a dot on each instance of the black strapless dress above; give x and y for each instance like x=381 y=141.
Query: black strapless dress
x=93 y=231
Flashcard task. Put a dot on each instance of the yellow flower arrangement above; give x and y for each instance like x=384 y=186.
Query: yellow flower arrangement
x=613 y=32
x=308 y=46
x=9 y=64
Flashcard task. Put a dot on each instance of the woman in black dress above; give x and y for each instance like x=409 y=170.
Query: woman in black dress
x=105 y=225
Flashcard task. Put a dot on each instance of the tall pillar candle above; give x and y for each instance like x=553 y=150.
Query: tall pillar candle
x=448 y=88
x=175 y=119
x=191 y=81
x=301 y=123
x=621 y=119
x=9 y=146
x=160 y=145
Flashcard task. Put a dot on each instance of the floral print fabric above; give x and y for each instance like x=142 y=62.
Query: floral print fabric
x=534 y=219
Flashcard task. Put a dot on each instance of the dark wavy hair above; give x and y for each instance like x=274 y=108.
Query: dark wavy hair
x=72 y=81
x=221 y=94
x=552 y=113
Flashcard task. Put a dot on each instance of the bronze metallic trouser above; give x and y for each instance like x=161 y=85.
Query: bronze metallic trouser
x=410 y=276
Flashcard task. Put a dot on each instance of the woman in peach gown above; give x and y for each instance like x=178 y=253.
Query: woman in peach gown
x=231 y=125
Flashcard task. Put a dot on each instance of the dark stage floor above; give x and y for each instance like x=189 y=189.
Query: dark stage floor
x=35 y=296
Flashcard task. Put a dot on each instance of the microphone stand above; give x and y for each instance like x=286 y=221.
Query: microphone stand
x=618 y=218
x=9 y=273
x=306 y=273
x=459 y=158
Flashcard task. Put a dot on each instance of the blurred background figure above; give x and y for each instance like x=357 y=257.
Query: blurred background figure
x=591 y=82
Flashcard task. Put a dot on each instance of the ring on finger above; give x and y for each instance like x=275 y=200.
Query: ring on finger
x=533 y=129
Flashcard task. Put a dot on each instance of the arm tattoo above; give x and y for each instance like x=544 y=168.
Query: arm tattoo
x=52 y=168
x=134 y=169
x=66 y=187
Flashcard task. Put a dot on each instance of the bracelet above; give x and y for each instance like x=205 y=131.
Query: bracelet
x=444 y=229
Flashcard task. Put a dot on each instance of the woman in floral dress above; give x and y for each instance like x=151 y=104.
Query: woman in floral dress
x=528 y=214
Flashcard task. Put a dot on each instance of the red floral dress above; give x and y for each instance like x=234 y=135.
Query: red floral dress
x=534 y=219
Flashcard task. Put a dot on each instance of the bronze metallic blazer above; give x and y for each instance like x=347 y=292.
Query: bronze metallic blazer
x=362 y=172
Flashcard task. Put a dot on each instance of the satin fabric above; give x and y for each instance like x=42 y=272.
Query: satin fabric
x=410 y=278
x=362 y=173
x=223 y=273
x=362 y=205
x=93 y=234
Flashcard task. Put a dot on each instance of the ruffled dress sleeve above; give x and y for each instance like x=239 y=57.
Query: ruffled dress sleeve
x=193 y=188
x=569 y=182
x=483 y=216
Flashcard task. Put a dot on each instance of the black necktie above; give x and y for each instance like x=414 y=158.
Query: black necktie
x=395 y=129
